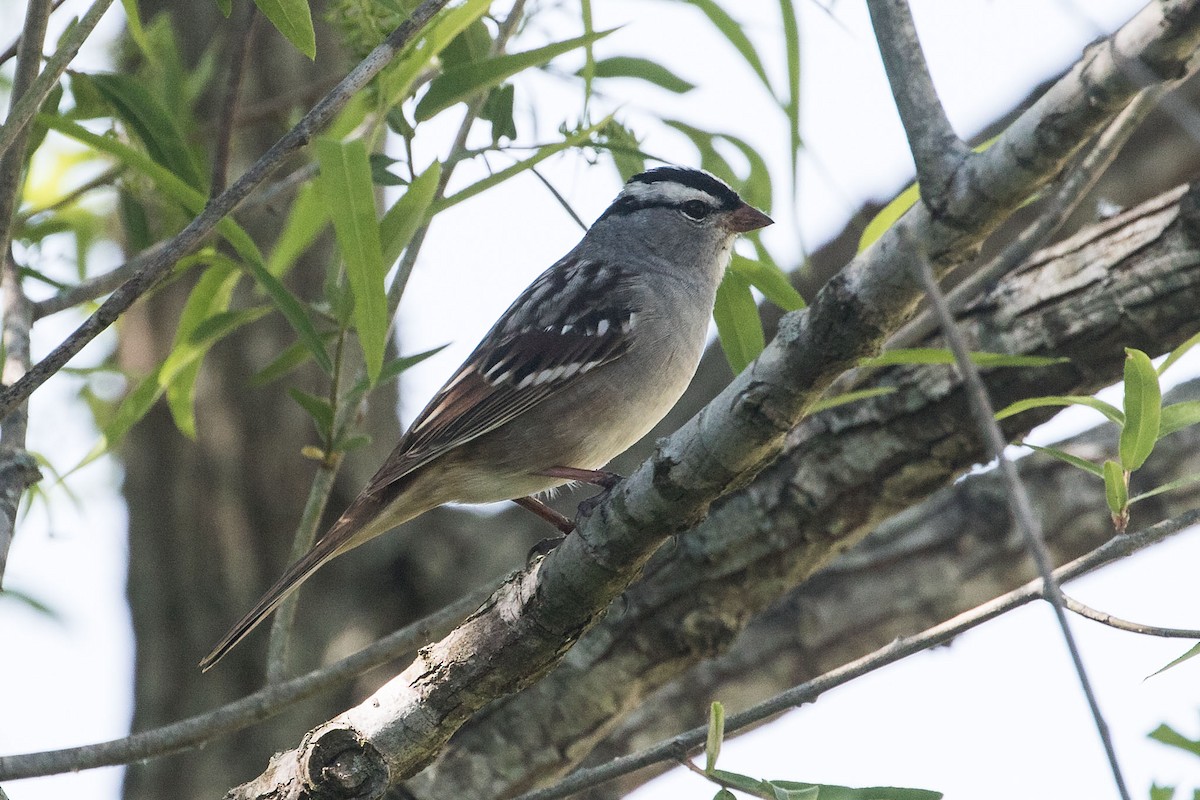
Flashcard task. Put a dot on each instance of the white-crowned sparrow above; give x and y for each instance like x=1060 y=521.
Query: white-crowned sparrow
x=585 y=362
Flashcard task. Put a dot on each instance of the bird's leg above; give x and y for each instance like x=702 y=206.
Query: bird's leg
x=596 y=477
x=550 y=515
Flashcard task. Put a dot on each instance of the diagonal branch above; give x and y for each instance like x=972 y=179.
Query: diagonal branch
x=936 y=148
x=156 y=266
x=15 y=462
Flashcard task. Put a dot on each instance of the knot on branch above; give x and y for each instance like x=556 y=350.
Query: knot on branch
x=339 y=764
x=18 y=470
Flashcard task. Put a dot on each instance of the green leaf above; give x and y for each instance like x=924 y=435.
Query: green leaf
x=1143 y=409
x=724 y=794
x=888 y=215
x=1170 y=486
x=194 y=201
x=1116 y=490
x=734 y=32
x=133 y=26
x=738 y=324
x=497 y=110
x=293 y=19
x=849 y=397
x=318 y=408
x=1178 y=416
x=306 y=221
x=769 y=280
x=397 y=80
x=743 y=783
x=1178 y=353
x=393 y=368
x=937 y=355
x=1107 y=409
x=791 y=107
x=780 y=790
x=1190 y=654
x=291 y=358
x=31 y=602
x=225 y=7
x=1169 y=736
x=1074 y=461
x=462 y=83
x=345 y=184
x=401 y=221
x=1161 y=792
x=829 y=791
x=644 y=69
x=164 y=141
x=716 y=735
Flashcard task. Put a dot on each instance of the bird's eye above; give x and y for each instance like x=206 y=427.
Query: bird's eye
x=695 y=209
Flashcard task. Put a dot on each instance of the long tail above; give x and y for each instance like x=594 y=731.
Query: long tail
x=357 y=525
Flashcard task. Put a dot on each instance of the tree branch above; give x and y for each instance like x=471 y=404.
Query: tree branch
x=527 y=625
x=16 y=311
x=1104 y=618
x=1116 y=549
x=154 y=267
x=936 y=148
x=241 y=713
x=23 y=110
x=1020 y=505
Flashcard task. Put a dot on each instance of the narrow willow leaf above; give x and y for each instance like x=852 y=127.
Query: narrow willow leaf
x=1113 y=413
x=461 y=83
x=291 y=358
x=401 y=221
x=1178 y=416
x=397 y=80
x=1190 y=654
x=828 y=791
x=152 y=123
x=743 y=783
x=1178 y=483
x=780 y=790
x=733 y=31
x=1169 y=736
x=393 y=368
x=716 y=735
x=318 y=408
x=293 y=19
x=849 y=397
x=757 y=189
x=137 y=32
x=1116 y=491
x=769 y=280
x=1074 y=461
x=194 y=201
x=345 y=184
x=1178 y=353
x=306 y=220
x=791 y=107
x=937 y=355
x=738 y=324
x=643 y=69
x=888 y=215
x=1143 y=409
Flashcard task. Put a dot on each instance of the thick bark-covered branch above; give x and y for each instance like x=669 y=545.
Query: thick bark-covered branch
x=1133 y=280
x=530 y=622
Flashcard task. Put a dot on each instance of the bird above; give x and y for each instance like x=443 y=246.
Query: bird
x=583 y=364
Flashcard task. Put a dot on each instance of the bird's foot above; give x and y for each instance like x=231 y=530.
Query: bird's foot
x=543 y=548
x=596 y=477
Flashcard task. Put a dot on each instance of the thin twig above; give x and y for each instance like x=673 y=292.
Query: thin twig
x=24 y=110
x=16 y=309
x=97 y=286
x=1070 y=193
x=1115 y=549
x=238 y=56
x=562 y=201
x=263 y=704
x=1018 y=498
x=10 y=52
x=189 y=238
x=1104 y=618
x=936 y=148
